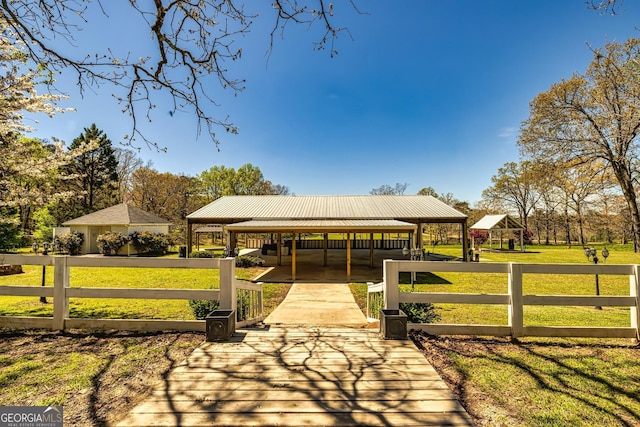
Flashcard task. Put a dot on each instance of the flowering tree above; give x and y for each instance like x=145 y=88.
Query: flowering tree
x=29 y=167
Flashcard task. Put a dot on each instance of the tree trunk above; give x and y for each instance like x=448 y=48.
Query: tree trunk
x=624 y=178
x=567 y=225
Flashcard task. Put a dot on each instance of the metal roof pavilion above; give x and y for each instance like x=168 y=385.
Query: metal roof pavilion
x=326 y=214
x=231 y=209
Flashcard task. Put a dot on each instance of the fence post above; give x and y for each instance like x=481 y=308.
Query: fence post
x=60 y=285
x=515 y=305
x=390 y=285
x=227 y=284
x=634 y=291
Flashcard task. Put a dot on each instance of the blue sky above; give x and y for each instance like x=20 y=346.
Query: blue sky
x=428 y=93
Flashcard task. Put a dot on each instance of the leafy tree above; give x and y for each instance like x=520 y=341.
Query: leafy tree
x=513 y=186
x=428 y=191
x=189 y=41
x=388 y=190
x=221 y=181
x=93 y=176
x=167 y=195
x=591 y=117
x=10 y=233
x=45 y=222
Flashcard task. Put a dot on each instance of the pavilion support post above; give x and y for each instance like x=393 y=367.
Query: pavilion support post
x=348 y=256
x=371 y=250
x=189 y=239
x=293 y=256
x=465 y=242
x=325 y=246
x=521 y=240
x=279 y=249
x=419 y=237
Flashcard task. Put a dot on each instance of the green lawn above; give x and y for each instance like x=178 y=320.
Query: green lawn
x=125 y=278
x=535 y=381
x=535 y=284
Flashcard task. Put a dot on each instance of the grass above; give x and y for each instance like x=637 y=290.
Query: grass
x=98 y=377
x=530 y=382
x=535 y=381
x=538 y=284
x=115 y=277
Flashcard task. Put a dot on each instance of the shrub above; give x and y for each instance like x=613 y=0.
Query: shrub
x=110 y=243
x=527 y=236
x=201 y=254
x=419 y=312
x=246 y=261
x=147 y=243
x=478 y=237
x=70 y=243
x=201 y=308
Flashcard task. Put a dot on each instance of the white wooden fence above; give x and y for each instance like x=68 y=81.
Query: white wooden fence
x=514 y=299
x=62 y=291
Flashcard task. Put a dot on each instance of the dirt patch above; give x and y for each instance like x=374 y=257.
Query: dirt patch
x=97 y=377
x=484 y=411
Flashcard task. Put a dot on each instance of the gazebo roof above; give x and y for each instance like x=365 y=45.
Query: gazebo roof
x=497 y=222
x=122 y=214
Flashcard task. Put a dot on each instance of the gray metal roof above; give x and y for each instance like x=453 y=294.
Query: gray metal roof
x=497 y=222
x=326 y=225
x=236 y=208
x=122 y=214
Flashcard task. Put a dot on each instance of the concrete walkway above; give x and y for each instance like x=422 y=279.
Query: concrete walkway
x=318 y=304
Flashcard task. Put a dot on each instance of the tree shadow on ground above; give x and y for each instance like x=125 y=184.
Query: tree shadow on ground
x=99 y=376
x=315 y=377
x=595 y=379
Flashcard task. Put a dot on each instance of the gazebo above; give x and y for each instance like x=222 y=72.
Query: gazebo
x=499 y=223
x=122 y=218
x=325 y=215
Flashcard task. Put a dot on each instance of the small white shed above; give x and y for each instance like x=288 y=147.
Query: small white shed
x=499 y=223
x=121 y=218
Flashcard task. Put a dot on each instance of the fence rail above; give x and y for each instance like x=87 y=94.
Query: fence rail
x=515 y=300
x=335 y=243
x=230 y=292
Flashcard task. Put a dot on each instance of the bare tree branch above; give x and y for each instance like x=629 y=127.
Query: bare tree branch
x=192 y=40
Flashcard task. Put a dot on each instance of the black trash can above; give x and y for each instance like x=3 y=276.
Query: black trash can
x=512 y=244
x=182 y=251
